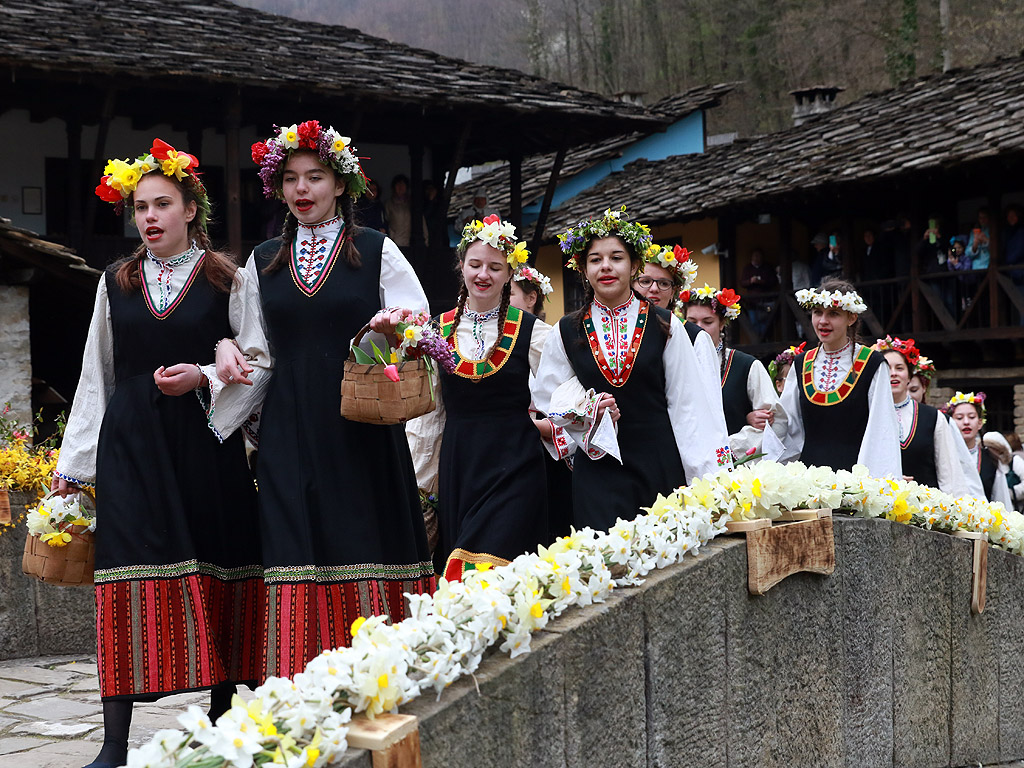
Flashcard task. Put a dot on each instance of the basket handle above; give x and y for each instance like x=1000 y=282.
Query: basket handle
x=359 y=337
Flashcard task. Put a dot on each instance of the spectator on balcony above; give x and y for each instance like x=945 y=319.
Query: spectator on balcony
x=930 y=251
x=1013 y=242
x=477 y=211
x=978 y=241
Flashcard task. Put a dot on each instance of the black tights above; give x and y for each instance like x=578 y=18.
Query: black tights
x=117 y=720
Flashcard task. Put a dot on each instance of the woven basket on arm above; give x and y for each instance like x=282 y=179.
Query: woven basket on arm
x=67 y=566
x=369 y=396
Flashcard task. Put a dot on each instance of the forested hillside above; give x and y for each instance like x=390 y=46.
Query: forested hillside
x=659 y=47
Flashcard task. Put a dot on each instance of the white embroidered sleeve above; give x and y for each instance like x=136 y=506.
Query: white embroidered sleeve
x=77 y=461
x=880 y=445
x=794 y=437
x=968 y=464
x=948 y=471
x=762 y=394
x=424 y=435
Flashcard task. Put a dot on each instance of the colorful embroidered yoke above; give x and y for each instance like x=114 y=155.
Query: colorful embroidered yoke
x=177 y=607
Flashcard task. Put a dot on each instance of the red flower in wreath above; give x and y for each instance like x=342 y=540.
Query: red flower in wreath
x=682 y=255
x=107 y=194
x=684 y=296
x=309 y=132
x=727 y=297
x=259 y=151
x=492 y=219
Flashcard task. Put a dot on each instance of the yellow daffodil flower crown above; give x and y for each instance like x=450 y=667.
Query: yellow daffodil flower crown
x=121 y=177
x=613 y=223
x=334 y=150
x=497 y=234
x=725 y=302
x=530 y=275
x=808 y=298
x=676 y=260
x=967 y=397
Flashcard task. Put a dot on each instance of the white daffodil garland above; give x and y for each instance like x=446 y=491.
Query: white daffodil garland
x=304 y=721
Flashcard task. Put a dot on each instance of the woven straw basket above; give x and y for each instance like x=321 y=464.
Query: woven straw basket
x=67 y=566
x=369 y=396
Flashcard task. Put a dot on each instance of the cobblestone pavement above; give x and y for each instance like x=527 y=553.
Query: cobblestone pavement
x=50 y=712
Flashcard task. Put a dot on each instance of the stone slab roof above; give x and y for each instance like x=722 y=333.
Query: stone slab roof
x=536 y=168
x=931 y=123
x=30 y=249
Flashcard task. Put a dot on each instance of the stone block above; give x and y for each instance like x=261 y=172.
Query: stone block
x=867 y=604
x=1006 y=585
x=30 y=673
x=18 y=633
x=66 y=618
x=974 y=664
x=921 y=646
x=15 y=352
x=51 y=708
x=686 y=629
x=511 y=712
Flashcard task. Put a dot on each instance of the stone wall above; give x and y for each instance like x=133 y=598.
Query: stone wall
x=880 y=664
x=15 y=354
x=39 y=619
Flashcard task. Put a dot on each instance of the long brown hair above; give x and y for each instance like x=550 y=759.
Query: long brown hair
x=218 y=268
x=345 y=206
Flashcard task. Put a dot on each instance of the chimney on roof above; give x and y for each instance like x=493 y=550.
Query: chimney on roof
x=816 y=100
x=631 y=97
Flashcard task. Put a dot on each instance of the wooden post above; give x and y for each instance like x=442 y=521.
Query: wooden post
x=549 y=195
x=99 y=160
x=515 y=169
x=393 y=740
x=979 y=568
x=232 y=174
x=994 y=221
x=785 y=317
x=455 y=164
x=416 y=201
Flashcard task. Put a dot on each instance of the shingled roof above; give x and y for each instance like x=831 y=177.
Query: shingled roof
x=962 y=116
x=535 y=169
x=29 y=248
x=179 y=44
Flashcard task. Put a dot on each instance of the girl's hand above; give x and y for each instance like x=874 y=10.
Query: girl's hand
x=63 y=487
x=386 y=320
x=607 y=402
x=178 y=379
x=232 y=367
x=760 y=418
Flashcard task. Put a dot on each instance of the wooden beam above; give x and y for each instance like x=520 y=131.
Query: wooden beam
x=416 y=201
x=99 y=161
x=515 y=180
x=232 y=172
x=549 y=195
x=455 y=164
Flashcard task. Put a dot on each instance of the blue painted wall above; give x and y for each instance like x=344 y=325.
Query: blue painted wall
x=684 y=137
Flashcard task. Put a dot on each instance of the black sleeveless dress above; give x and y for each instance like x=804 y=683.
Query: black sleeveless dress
x=735 y=398
x=340 y=515
x=835 y=421
x=492 y=503
x=603 y=489
x=986 y=469
x=179 y=587
x=918 y=447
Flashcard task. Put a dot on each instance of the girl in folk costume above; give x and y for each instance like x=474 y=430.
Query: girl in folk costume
x=991 y=454
x=178 y=576
x=339 y=511
x=668 y=274
x=929 y=454
x=837 y=396
x=778 y=368
x=748 y=395
x=530 y=288
x=921 y=378
x=489 y=467
x=621 y=375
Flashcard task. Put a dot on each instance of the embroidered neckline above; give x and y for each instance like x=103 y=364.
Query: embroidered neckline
x=321 y=225
x=479 y=319
x=475 y=370
x=905 y=442
x=309 y=280
x=839 y=393
x=163 y=314
x=618 y=309
x=617 y=377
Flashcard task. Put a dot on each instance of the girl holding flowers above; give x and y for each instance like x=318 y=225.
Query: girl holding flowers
x=837 y=396
x=929 y=454
x=478 y=447
x=340 y=515
x=177 y=608
x=749 y=398
x=621 y=376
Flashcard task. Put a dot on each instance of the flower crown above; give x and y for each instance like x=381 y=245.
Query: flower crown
x=906 y=348
x=334 y=150
x=787 y=356
x=725 y=302
x=613 y=223
x=531 y=275
x=676 y=260
x=967 y=397
x=121 y=177
x=497 y=234
x=925 y=368
x=808 y=298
